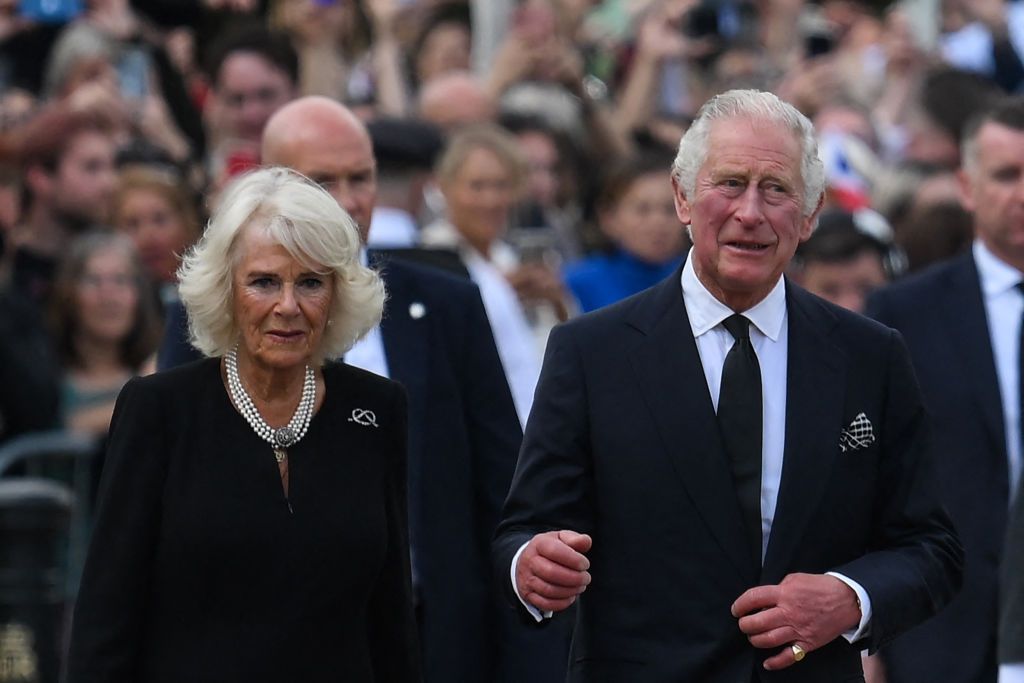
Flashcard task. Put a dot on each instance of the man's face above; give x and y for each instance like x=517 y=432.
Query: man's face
x=84 y=182
x=746 y=215
x=993 y=189
x=249 y=90
x=342 y=162
x=845 y=283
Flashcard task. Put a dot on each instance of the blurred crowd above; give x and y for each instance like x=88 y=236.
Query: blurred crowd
x=530 y=138
x=524 y=144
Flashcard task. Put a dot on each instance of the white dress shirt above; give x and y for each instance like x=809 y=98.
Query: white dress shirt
x=368 y=352
x=392 y=228
x=1004 y=305
x=769 y=335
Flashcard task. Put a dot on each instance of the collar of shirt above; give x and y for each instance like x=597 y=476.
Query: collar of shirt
x=706 y=312
x=996 y=275
x=392 y=228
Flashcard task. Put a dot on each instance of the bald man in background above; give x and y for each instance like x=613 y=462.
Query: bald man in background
x=464 y=435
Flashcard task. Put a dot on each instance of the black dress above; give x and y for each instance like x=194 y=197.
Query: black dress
x=200 y=569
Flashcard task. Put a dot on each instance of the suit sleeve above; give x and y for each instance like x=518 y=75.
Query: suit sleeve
x=551 y=487
x=392 y=627
x=111 y=609
x=915 y=564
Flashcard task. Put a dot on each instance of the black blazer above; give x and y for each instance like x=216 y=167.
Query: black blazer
x=464 y=437
x=623 y=444
x=199 y=568
x=1011 y=594
x=941 y=315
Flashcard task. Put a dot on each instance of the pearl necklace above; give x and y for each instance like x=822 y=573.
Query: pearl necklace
x=279 y=439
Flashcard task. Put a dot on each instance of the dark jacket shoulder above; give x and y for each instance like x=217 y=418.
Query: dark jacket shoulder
x=425 y=282
x=913 y=290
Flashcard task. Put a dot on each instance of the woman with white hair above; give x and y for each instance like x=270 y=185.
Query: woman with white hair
x=252 y=515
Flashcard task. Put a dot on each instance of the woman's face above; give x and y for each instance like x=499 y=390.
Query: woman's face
x=107 y=296
x=159 y=232
x=480 y=195
x=644 y=223
x=281 y=306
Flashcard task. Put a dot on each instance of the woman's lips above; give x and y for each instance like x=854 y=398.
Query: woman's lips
x=286 y=335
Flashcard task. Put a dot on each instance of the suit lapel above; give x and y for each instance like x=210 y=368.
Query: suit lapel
x=405 y=342
x=967 y=325
x=675 y=391
x=815 y=397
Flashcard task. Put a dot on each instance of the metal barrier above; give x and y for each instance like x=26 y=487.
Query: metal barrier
x=34 y=524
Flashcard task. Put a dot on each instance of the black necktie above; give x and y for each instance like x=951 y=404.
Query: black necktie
x=739 y=417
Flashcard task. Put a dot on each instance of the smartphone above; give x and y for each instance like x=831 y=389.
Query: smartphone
x=133 y=73
x=50 y=11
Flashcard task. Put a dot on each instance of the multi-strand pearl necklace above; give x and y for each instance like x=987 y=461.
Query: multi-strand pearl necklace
x=279 y=439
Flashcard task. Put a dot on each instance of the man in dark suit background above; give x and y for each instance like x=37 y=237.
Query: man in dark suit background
x=742 y=497
x=463 y=430
x=962 y=323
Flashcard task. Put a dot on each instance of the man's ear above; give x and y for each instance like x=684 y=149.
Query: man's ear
x=810 y=222
x=682 y=204
x=966 y=192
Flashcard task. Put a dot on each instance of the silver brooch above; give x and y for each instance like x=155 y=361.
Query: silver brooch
x=363 y=417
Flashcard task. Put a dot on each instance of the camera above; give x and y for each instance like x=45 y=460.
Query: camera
x=702 y=21
x=818 y=44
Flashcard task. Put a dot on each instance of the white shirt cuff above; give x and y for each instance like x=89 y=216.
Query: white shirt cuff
x=864 y=602
x=534 y=612
x=1011 y=673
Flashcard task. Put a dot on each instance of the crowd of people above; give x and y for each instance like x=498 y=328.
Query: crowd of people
x=509 y=166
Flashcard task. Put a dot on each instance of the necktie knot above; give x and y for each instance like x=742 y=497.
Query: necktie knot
x=738 y=326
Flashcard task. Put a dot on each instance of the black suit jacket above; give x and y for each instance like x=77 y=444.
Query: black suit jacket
x=623 y=444
x=1011 y=617
x=941 y=315
x=201 y=570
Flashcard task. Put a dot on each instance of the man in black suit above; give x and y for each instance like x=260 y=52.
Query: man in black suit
x=463 y=430
x=739 y=466
x=962 y=323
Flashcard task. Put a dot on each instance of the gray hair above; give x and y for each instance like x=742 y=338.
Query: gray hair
x=309 y=224
x=752 y=104
x=80 y=41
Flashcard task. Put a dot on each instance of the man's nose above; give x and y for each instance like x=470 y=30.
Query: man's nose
x=748 y=209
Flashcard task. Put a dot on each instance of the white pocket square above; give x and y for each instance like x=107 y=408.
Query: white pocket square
x=860 y=434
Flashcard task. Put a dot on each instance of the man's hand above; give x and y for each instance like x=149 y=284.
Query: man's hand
x=809 y=610
x=552 y=570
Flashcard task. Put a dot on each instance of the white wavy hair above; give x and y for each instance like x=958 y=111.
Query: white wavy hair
x=309 y=224
x=763 y=107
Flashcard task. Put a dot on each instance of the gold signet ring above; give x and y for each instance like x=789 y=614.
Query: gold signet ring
x=798 y=652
